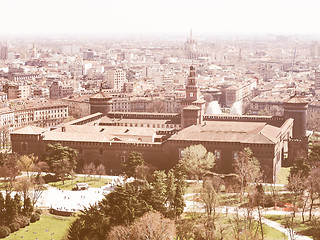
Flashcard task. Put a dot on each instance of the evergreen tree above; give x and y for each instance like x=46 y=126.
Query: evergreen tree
x=179 y=203
x=135 y=159
x=170 y=192
x=61 y=160
x=2 y=209
x=301 y=167
x=27 y=207
x=17 y=203
x=159 y=189
x=10 y=210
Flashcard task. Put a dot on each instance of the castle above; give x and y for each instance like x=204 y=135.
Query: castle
x=109 y=137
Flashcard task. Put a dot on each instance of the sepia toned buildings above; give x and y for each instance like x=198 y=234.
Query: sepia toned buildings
x=108 y=137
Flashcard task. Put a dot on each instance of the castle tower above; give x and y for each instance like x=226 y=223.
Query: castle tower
x=100 y=102
x=193 y=105
x=192 y=91
x=296 y=107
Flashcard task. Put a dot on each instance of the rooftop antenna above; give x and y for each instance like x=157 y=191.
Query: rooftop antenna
x=191 y=34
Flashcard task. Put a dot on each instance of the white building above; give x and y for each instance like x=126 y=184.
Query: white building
x=115 y=79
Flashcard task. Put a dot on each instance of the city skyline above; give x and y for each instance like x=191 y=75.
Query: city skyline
x=37 y=17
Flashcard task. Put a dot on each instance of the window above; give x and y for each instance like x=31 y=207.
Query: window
x=181 y=153
x=217 y=153
x=101 y=151
x=123 y=159
x=24 y=146
x=80 y=151
x=235 y=155
x=191 y=94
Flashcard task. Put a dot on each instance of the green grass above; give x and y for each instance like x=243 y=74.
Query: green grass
x=224 y=222
x=311 y=229
x=283 y=174
x=48 y=227
x=69 y=184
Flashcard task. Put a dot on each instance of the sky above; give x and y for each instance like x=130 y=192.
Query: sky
x=43 y=17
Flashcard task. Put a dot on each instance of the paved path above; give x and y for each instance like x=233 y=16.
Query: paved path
x=198 y=207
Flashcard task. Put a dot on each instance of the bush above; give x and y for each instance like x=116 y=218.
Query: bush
x=35 y=217
x=23 y=221
x=14 y=227
x=4 y=231
x=39 y=211
x=50 y=178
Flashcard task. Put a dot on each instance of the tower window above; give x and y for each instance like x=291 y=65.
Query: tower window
x=191 y=94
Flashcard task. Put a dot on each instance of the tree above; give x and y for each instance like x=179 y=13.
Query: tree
x=61 y=160
x=26 y=163
x=37 y=189
x=135 y=159
x=2 y=209
x=247 y=168
x=313 y=187
x=300 y=166
x=314 y=156
x=9 y=169
x=101 y=170
x=129 y=202
x=156 y=106
x=197 y=161
x=89 y=169
x=27 y=207
x=4 y=136
x=158 y=191
x=210 y=194
x=152 y=225
x=23 y=186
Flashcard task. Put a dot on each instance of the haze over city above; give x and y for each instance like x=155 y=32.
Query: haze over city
x=128 y=17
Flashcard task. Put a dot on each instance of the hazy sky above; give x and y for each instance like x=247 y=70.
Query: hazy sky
x=165 y=16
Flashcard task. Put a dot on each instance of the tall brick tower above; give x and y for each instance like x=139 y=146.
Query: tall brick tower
x=296 y=107
x=100 y=102
x=193 y=105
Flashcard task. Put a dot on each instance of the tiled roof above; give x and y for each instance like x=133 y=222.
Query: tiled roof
x=222 y=131
x=296 y=99
x=30 y=130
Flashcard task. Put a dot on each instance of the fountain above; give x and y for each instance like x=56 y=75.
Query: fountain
x=213 y=108
x=236 y=108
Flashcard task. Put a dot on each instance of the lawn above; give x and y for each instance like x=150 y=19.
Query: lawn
x=69 y=184
x=48 y=227
x=311 y=229
x=283 y=174
x=224 y=222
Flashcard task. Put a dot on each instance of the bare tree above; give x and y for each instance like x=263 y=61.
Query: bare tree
x=248 y=169
x=313 y=186
x=152 y=225
x=156 y=106
x=4 y=136
x=101 y=170
x=37 y=189
x=89 y=170
x=210 y=194
x=9 y=170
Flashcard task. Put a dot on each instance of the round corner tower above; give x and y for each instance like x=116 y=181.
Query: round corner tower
x=100 y=102
x=296 y=107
